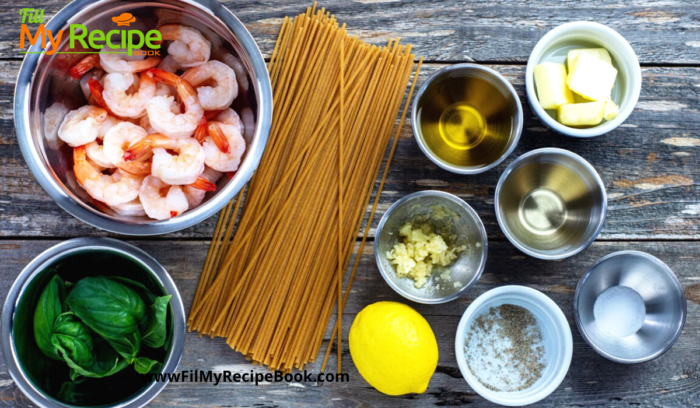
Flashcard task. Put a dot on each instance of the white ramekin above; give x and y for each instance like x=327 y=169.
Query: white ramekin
x=555 y=331
x=629 y=77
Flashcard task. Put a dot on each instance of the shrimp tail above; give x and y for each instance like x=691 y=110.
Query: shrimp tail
x=203 y=184
x=219 y=138
x=144 y=146
x=97 y=92
x=137 y=168
x=79 y=162
x=148 y=63
x=212 y=113
x=84 y=65
x=201 y=132
x=138 y=150
x=183 y=87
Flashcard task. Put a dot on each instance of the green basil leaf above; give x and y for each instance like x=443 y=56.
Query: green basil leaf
x=72 y=338
x=146 y=295
x=51 y=305
x=110 y=308
x=127 y=346
x=154 y=333
x=144 y=365
x=105 y=362
x=68 y=393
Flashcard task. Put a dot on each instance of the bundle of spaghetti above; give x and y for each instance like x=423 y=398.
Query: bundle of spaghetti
x=270 y=286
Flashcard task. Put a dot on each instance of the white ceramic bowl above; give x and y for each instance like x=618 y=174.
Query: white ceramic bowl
x=556 y=335
x=554 y=46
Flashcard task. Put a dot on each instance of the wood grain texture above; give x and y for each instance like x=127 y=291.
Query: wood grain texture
x=673 y=380
x=484 y=31
x=649 y=166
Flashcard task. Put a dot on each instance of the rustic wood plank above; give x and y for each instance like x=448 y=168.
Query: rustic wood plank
x=672 y=380
x=649 y=166
x=485 y=31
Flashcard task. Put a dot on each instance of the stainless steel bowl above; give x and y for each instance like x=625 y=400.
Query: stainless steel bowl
x=499 y=84
x=42 y=81
x=663 y=297
x=551 y=203
x=442 y=210
x=18 y=341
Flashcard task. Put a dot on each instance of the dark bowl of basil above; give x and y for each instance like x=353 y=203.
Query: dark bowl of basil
x=91 y=322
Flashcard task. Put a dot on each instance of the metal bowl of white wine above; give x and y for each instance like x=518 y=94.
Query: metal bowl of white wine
x=467 y=118
x=551 y=203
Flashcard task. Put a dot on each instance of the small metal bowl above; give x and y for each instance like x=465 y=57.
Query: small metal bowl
x=42 y=81
x=551 y=203
x=663 y=297
x=32 y=372
x=499 y=84
x=454 y=214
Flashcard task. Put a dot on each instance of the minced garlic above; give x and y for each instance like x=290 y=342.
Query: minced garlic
x=419 y=251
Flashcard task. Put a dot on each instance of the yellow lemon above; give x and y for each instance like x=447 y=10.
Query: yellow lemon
x=393 y=348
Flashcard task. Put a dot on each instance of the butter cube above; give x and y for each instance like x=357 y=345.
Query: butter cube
x=592 y=78
x=611 y=110
x=550 y=80
x=600 y=53
x=581 y=114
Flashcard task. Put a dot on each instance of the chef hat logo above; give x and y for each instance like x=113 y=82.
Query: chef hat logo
x=124 y=19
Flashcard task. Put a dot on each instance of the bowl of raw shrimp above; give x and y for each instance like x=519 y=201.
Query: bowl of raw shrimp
x=148 y=141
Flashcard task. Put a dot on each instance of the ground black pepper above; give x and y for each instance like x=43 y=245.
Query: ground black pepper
x=505 y=345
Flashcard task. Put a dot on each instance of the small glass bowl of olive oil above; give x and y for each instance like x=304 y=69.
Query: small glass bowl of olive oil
x=467 y=118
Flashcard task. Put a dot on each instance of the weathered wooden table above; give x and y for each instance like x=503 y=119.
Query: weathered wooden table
x=650 y=168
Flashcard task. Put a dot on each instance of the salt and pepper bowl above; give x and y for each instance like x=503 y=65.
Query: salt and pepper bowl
x=556 y=334
x=663 y=297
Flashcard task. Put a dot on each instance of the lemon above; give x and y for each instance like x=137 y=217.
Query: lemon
x=393 y=348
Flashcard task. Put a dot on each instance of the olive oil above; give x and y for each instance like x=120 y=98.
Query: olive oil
x=466 y=121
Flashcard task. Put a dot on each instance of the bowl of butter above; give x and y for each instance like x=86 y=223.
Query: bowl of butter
x=430 y=247
x=583 y=79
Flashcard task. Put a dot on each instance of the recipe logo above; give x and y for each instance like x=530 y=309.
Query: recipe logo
x=119 y=41
x=218 y=377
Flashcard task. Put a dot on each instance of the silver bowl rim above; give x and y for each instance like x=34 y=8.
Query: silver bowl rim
x=599 y=183
x=460 y=169
x=663 y=267
x=43 y=174
x=466 y=207
x=36 y=266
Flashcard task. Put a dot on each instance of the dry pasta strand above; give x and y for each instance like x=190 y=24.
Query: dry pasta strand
x=270 y=283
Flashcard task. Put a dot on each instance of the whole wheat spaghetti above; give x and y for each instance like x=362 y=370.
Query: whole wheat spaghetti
x=270 y=286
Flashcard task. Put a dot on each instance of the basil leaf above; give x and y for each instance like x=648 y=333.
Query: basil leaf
x=144 y=365
x=110 y=308
x=146 y=295
x=154 y=332
x=68 y=393
x=105 y=362
x=51 y=305
x=127 y=346
x=72 y=338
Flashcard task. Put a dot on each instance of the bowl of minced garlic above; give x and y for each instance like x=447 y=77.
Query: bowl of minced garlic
x=430 y=247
